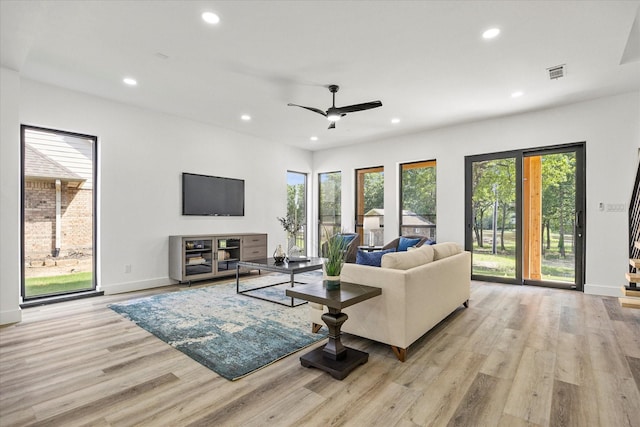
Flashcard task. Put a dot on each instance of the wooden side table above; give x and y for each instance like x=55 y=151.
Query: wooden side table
x=334 y=357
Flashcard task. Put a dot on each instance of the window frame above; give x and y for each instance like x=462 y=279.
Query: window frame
x=416 y=165
x=95 y=223
x=304 y=224
x=360 y=174
x=321 y=224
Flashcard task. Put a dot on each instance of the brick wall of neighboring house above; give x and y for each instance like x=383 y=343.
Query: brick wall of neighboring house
x=40 y=219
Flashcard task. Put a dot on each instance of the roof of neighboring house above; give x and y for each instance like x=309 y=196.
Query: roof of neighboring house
x=409 y=218
x=37 y=165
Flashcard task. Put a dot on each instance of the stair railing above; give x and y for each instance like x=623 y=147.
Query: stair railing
x=634 y=221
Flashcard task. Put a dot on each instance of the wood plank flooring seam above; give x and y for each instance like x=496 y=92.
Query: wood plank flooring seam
x=586 y=346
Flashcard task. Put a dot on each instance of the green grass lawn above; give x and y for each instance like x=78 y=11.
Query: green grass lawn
x=502 y=264
x=36 y=286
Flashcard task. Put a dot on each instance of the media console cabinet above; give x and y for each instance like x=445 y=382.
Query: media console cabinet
x=200 y=257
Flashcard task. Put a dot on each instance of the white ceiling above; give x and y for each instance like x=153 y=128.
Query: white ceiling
x=425 y=60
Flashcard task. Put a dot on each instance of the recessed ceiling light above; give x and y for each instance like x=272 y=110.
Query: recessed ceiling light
x=517 y=94
x=395 y=120
x=130 y=81
x=491 y=33
x=245 y=117
x=314 y=138
x=210 y=18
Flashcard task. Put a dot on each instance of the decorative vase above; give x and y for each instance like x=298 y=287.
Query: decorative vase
x=279 y=255
x=331 y=282
x=291 y=243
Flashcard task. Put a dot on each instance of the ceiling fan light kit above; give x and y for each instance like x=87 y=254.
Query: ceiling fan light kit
x=333 y=113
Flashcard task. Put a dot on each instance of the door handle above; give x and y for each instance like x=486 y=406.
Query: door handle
x=578 y=223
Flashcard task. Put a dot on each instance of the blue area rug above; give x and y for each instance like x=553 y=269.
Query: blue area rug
x=228 y=333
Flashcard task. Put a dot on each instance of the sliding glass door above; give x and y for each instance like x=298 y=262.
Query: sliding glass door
x=525 y=216
x=553 y=217
x=493 y=217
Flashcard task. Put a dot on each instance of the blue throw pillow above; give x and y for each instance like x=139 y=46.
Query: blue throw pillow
x=372 y=259
x=405 y=243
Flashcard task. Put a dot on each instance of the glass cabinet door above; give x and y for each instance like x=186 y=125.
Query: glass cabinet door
x=198 y=257
x=227 y=254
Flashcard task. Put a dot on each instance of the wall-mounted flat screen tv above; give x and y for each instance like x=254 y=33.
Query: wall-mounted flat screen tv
x=212 y=195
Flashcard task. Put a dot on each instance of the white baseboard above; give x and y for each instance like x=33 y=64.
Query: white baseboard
x=12 y=316
x=119 y=288
x=608 y=291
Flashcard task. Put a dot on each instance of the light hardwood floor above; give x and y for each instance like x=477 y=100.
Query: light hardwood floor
x=518 y=356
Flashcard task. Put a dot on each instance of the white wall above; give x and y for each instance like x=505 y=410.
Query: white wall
x=608 y=125
x=142 y=153
x=9 y=197
x=141 y=156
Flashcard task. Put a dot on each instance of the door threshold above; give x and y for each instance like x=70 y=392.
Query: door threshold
x=551 y=284
x=60 y=298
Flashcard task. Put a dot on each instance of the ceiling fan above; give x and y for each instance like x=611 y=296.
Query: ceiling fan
x=333 y=114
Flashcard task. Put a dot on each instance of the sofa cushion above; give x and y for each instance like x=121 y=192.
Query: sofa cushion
x=405 y=243
x=408 y=259
x=444 y=250
x=371 y=258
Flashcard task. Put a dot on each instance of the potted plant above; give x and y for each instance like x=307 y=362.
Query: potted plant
x=335 y=256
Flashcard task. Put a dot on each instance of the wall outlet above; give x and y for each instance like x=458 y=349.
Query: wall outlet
x=127 y=268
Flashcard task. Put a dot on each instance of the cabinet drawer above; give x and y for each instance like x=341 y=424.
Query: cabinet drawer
x=254 y=252
x=254 y=240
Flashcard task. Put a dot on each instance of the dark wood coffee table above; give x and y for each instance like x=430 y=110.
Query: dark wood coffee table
x=334 y=357
x=269 y=264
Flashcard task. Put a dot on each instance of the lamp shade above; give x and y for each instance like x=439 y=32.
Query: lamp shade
x=371 y=222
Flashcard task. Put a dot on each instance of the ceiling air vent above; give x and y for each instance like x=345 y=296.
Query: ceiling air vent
x=556 y=72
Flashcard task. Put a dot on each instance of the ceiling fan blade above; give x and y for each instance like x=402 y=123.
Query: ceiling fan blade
x=315 y=110
x=332 y=125
x=359 y=107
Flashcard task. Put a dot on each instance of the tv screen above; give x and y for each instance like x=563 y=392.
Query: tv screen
x=212 y=195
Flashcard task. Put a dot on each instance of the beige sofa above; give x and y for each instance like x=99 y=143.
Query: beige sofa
x=419 y=289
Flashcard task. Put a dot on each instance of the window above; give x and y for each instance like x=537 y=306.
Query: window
x=370 y=205
x=58 y=212
x=418 y=199
x=329 y=206
x=297 y=210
